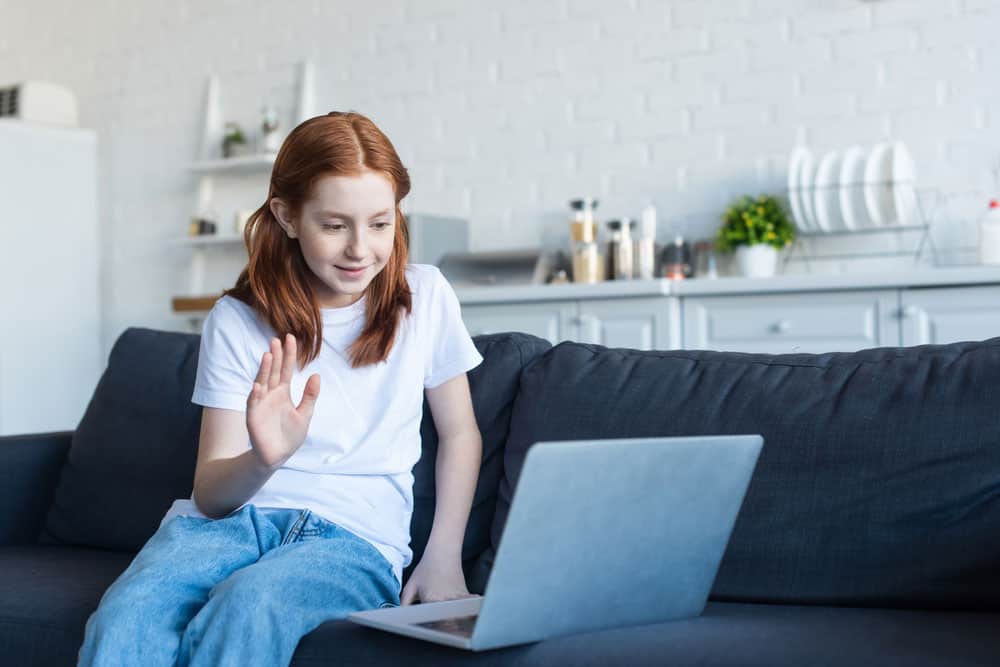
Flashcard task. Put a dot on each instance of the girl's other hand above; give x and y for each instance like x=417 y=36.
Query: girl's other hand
x=435 y=579
x=277 y=428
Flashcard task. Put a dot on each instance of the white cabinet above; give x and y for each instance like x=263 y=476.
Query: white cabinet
x=639 y=323
x=802 y=322
x=552 y=320
x=817 y=321
x=948 y=315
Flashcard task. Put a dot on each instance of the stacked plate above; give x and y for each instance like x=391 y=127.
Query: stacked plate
x=850 y=189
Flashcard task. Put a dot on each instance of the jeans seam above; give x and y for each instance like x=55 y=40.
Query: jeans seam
x=293 y=534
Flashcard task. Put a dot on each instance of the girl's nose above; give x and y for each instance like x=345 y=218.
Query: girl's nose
x=356 y=245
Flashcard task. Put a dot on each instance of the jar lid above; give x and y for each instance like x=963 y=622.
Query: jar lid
x=582 y=203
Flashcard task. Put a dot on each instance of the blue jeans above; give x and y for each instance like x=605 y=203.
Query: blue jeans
x=240 y=590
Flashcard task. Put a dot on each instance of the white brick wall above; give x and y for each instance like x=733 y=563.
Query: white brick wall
x=505 y=111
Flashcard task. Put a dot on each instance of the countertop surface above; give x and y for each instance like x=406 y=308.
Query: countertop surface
x=798 y=282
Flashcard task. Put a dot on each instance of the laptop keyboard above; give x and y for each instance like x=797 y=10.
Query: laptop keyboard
x=461 y=625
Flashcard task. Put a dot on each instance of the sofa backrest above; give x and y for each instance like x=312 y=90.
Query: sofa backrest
x=878 y=484
x=135 y=448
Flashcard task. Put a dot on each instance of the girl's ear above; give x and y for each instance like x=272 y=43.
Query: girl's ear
x=282 y=215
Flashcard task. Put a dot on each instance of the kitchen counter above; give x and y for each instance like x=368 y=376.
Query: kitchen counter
x=917 y=277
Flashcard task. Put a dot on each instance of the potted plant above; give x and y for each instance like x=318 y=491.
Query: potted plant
x=232 y=137
x=756 y=229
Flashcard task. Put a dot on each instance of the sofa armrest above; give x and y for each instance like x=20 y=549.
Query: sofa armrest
x=29 y=472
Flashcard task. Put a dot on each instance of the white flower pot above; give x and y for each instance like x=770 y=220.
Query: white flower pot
x=757 y=261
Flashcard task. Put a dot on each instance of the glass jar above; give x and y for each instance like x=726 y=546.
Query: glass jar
x=583 y=241
x=619 y=262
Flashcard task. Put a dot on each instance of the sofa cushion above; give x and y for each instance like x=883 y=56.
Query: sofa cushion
x=878 y=484
x=135 y=449
x=48 y=593
x=740 y=635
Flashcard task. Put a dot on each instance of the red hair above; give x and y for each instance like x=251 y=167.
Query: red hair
x=275 y=282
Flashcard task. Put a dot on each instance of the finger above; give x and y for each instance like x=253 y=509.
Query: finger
x=288 y=366
x=309 y=396
x=407 y=596
x=265 y=369
x=275 y=376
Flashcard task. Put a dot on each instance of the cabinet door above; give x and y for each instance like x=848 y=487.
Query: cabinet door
x=640 y=324
x=551 y=320
x=802 y=322
x=949 y=315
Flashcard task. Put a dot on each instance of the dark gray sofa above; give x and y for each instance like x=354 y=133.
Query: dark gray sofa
x=870 y=533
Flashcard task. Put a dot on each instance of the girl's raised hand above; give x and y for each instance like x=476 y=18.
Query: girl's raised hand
x=277 y=428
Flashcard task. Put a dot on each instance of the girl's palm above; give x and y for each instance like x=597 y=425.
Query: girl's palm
x=277 y=428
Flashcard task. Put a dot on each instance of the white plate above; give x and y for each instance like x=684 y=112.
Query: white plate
x=878 y=185
x=852 y=195
x=904 y=173
x=827 y=196
x=795 y=186
x=807 y=186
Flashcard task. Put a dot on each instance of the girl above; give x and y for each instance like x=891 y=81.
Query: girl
x=300 y=513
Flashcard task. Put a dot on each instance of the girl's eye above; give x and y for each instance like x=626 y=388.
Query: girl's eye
x=334 y=227
x=382 y=225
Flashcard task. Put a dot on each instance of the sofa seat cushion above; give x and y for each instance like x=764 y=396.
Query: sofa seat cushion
x=735 y=634
x=47 y=595
x=49 y=592
x=878 y=484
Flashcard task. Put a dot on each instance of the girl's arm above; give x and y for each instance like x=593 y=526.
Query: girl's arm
x=438 y=575
x=228 y=474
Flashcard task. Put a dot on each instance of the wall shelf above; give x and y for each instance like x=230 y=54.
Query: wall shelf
x=234 y=164
x=208 y=239
x=194 y=304
x=208 y=165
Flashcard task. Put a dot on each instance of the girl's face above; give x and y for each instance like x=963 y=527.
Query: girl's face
x=345 y=230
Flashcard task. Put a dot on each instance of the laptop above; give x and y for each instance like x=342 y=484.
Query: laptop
x=600 y=534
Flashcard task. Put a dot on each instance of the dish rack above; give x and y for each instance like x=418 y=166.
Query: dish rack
x=917 y=233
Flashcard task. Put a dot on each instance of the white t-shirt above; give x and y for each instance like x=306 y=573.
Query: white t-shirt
x=355 y=466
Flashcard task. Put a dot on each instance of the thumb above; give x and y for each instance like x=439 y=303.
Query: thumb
x=309 y=396
x=409 y=593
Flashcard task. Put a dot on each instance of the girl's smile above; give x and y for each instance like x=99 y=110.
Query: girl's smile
x=353 y=273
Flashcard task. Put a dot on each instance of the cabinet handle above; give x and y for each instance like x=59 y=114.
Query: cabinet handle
x=781 y=326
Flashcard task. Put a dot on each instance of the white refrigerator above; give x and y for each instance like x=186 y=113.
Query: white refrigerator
x=50 y=345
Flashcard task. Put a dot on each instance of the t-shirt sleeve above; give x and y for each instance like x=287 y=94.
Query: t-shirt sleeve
x=452 y=351
x=223 y=379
